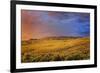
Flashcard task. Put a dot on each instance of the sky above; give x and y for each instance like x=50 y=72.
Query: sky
x=39 y=24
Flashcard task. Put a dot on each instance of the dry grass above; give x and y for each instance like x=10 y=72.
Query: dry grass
x=55 y=49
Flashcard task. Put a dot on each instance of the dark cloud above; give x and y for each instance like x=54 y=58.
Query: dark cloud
x=50 y=23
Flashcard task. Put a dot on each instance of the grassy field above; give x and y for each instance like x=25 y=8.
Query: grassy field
x=55 y=49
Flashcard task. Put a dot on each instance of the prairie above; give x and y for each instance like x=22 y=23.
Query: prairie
x=55 y=49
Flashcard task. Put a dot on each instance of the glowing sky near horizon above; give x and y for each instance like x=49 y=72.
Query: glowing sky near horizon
x=39 y=24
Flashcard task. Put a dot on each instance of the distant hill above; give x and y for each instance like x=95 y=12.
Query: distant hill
x=61 y=37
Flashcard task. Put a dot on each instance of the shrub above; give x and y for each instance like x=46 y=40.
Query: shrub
x=75 y=57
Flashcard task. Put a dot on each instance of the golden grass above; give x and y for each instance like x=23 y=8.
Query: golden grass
x=55 y=49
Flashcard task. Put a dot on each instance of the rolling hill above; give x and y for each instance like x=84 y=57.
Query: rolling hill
x=55 y=49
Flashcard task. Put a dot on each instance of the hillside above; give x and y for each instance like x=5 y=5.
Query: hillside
x=55 y=49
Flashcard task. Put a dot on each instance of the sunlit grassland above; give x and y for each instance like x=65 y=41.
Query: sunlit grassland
x=55 y=49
